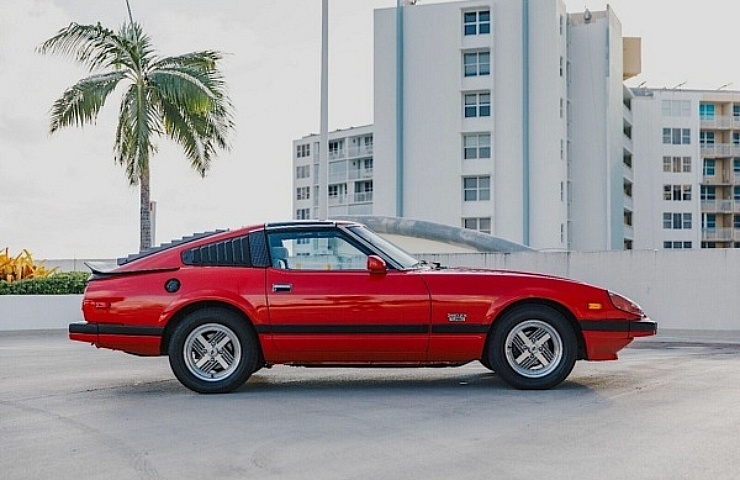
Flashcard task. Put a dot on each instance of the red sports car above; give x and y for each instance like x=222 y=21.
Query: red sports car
x=224 y=304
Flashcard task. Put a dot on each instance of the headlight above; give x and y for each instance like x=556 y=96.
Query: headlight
x=625 y=304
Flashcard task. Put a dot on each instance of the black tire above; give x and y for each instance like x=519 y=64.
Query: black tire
x=213 y=350
x=532 y=347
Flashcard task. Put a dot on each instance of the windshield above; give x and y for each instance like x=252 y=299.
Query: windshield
x=391 y=250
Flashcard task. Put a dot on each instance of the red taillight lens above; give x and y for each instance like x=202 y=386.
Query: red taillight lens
x=625 y=304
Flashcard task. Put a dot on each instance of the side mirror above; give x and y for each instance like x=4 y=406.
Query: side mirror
x=376 y=265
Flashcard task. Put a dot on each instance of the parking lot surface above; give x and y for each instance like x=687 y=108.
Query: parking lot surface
x=660 y=412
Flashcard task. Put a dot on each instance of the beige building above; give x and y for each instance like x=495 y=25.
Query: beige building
x=687 y=168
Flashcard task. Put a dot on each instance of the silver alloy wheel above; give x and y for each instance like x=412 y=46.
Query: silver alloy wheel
x=534 y=349
x=212 y=352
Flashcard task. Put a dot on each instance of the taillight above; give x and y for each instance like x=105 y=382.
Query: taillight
x=625 y=304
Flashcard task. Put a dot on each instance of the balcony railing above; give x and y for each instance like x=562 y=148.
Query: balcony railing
x=717 y=234
x=720 y=205
x=716 y=122
x=337 y=199
x=336 y=154
x=361 y=173
x=629 y=232
x=629 y=202
x=360 y=151
x=720 y=150
x=364 y=197
x=719 y=179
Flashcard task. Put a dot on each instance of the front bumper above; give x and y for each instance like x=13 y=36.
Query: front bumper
x=633 y=329
x=604 y=338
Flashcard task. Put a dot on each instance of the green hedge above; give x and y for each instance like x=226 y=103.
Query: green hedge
x=68 y=283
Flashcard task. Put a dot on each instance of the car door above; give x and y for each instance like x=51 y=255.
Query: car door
x=325 y=306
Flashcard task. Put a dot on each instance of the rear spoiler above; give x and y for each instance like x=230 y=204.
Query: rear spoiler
x=104 y=270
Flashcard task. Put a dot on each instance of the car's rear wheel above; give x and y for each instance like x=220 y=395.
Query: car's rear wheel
x=533 y=347
x=213 y=350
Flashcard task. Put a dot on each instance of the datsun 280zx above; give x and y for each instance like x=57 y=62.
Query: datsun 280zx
x=223 y=305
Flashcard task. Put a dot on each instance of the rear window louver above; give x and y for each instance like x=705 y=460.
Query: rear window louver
x=165 y=246
x=232 y=252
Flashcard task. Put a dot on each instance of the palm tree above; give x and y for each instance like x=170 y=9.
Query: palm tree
x=183 y=98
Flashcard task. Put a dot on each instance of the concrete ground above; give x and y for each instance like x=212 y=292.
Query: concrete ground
x=666 y=410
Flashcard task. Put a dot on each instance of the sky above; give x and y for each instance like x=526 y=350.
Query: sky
x=62 y=195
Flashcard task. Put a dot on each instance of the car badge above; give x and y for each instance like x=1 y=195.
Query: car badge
x=457 y=317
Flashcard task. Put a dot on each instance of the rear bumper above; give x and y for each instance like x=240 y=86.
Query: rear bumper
x=128 y=338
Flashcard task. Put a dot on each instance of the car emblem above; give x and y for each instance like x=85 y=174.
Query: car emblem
x=457 y=317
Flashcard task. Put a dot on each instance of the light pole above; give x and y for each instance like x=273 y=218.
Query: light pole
x=322 y=195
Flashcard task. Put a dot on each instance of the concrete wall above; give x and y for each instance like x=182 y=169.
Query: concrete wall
x=39 y=312
x=681 y=290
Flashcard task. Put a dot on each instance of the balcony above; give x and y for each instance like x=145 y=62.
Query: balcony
x=363 y=197
x=719 y=150
x=717 y=234
x=721 y=206
x=336 y=154
x=361 y=151
x=629 y=203
x=721 y=179
x=337 y=199
x=717 y=122
x=359 y=174
x=627 y=172
x=629 y=232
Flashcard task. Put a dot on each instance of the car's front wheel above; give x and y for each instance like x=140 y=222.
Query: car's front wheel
x=533 y=347
x=213 y=350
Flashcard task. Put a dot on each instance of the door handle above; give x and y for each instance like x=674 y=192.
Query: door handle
x=281 y=287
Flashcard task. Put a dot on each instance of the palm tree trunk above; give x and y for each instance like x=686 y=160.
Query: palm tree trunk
x=145 y=218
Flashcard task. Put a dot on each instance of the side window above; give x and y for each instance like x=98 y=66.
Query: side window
x=315 y=250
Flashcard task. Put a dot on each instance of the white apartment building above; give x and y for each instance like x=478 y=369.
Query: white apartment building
x=350 y=174
x=505 y=116
x=687 y=169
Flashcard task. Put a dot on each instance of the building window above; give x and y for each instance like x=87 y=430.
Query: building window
x=562 y=63
x=477 y=63
x=736 y=138
x=303 y=214
x=303 y=171
x=677 y=193
x=303 y=193
x=676 y=221
x=303 y=150
x=709 y=167
x=336 y=148
x=477 y=188
x=677 y=164
x=477 y=23
x=736 y=166
x=677 y=136
x=736 y=111
x=736 y=221
x=364 y=191
x=676 y=245
x=337 y=190
x=477 y=104
x=477 y=145
x=482 y=224
x=676 y=108
x=708 y=193
x=736 y=193
x=709 y=221
x=706 y=111
x=706 y=138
